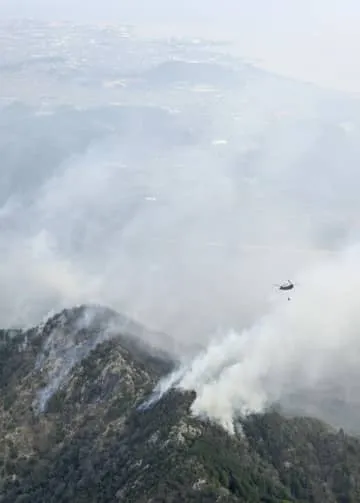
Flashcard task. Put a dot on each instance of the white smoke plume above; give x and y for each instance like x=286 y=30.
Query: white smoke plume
x=307 y=346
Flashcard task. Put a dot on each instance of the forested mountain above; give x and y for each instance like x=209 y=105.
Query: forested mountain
x=75 y=429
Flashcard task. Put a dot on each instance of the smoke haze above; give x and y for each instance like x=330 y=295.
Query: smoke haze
x=312 y=40
x=178 y=185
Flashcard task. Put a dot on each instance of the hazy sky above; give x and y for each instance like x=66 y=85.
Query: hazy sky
x=315 y=40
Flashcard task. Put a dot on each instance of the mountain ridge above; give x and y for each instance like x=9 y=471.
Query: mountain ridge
x=92 y=441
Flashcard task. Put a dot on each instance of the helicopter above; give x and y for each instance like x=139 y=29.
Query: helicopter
x=286 y=287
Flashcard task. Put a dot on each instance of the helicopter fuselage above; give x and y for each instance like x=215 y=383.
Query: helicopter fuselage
x=286 y=287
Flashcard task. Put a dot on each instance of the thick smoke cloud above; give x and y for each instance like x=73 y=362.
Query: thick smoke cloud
x=302 y=353
x=178 y=242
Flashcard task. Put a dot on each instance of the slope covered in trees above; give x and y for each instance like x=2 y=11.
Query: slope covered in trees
x=72 y=429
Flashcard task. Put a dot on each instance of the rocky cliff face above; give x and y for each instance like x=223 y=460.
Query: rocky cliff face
x=75 y=428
